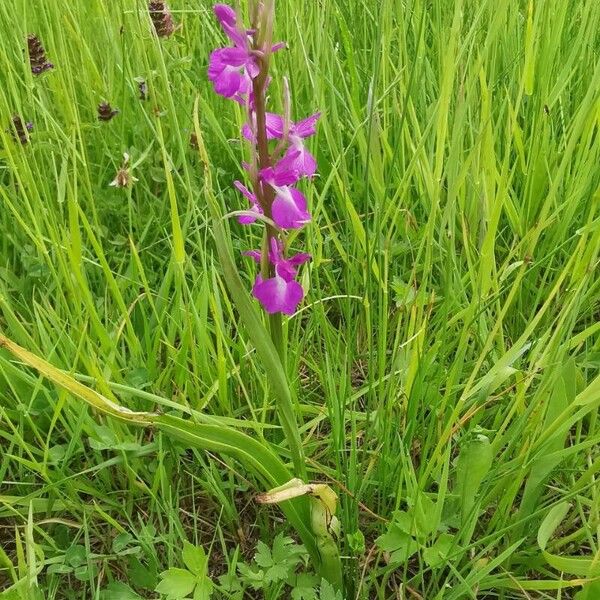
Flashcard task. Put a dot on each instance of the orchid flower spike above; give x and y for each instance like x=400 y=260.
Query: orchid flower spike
x=279 y=156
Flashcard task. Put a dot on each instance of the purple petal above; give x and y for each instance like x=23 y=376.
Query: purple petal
x=247 y=132
x=289 y=208
x=274 y=125
x=228 y=19
x=283 y=173
x=306 y=127
x=299 y=259
x=225 y=14
x=215 y=65
x=285 y=271
x=276 y=250
x=254 y=255
x=248 y=219
x=286 y=268
x=298 y=159
x=228 y=83
x=255 y=207
x=244 y=190
x=234 y=57
x=252 y=67
x=278 y=295
x=278 y=46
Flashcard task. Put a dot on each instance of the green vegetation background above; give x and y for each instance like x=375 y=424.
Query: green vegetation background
x=453 y=299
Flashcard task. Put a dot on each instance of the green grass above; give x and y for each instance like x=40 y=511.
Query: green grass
x=453 y=297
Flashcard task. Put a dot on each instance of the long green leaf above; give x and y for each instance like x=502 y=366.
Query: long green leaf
x=251 y=318
x=254 y=455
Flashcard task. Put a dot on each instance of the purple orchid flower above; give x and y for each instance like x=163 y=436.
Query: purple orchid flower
x=297 y=156
x=234 y=72
x=280 y=293
x=274 y=126
x=254 y=205
x=285 y=267
x=300 y=158
x=289 y=208
x=232 y=69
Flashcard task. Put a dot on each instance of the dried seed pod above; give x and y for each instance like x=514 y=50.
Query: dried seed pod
x=162 y=19
x=37 y=55
x=106 y=112
x=124 y=178
x=20 y=130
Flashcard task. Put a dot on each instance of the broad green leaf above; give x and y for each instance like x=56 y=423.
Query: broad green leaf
x=425 y=513
x=404 y=522
x=76 y=555
x=176 y=583
x=591 y=591
x=140 y=575
x=399 y=544
x=79 y=390
x=256 y=456
x=437 y=555
x=194 y=558
x=474 y=462
x=303 y=586
x=255 y=577
x=551 y=521
x=574 y=565
x=328 y=592
x=121 y=542
x=204 y=589
x=118 y=591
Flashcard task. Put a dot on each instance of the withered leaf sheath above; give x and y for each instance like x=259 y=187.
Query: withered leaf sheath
x=162 y=19
x=106 y=112
x=20 y=130
x=37 y=55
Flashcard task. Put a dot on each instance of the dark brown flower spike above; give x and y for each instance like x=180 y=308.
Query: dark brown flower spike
x=37 y=55
x=20 y=130
x=106 y=112
x=162 y=19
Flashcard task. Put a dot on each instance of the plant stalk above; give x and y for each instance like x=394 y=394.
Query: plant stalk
x=265 y=196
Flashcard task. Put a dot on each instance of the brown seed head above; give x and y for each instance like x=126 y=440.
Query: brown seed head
x=20 y=130
x=37 y=55
x=106 y=112
x=162 y=19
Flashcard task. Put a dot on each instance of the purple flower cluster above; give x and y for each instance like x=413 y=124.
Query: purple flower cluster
x=240 y=72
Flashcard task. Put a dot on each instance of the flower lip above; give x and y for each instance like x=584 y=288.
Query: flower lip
x=278 y=295
x=289 y=210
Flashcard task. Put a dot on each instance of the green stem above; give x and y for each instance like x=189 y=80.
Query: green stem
x=276 y=330
x=265 y=196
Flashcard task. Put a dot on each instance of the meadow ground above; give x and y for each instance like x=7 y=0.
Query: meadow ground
x=444 y=366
